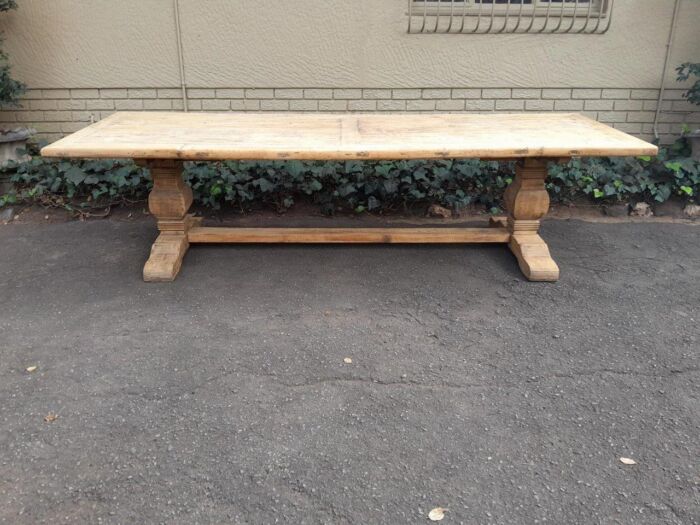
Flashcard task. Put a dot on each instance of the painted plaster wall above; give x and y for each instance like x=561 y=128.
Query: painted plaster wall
x=322 y=43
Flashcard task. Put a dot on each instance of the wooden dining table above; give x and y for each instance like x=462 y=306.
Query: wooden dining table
x=163 y=141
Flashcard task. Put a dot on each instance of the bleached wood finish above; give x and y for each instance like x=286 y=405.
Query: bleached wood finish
x=319 y=136
x=349 y=235
x=163 y=140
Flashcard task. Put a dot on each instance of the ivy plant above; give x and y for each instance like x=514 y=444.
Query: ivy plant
x=689 y=71
x=10 y=89
x=353 y=185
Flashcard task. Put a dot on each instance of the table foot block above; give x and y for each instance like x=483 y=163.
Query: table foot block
x=166 y=258
x=533 y=257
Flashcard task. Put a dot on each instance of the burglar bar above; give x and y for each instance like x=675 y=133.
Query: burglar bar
x=481 y=17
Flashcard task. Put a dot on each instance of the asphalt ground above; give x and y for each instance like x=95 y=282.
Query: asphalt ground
x=225 y=397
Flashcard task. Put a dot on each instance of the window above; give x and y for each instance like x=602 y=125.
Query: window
x=509 y=16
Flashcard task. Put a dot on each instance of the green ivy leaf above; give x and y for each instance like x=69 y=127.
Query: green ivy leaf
x=295 y=168
x=75 y=175
x=265 y=185
x=675 y=167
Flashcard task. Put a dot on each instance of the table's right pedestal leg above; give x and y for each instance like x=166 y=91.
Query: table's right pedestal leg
x=527 y=201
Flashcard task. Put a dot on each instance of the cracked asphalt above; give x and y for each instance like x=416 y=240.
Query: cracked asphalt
x=224 y=397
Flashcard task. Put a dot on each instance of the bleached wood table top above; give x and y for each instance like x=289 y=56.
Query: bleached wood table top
x=325 y=136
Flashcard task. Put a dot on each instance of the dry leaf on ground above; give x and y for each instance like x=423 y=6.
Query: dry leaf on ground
x=31 y=369
x=347 y=360
x=628 y=461
x=50 y=418
x=437 y=514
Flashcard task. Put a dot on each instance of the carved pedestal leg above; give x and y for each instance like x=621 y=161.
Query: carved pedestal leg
x=168 y=202
x=527 y=202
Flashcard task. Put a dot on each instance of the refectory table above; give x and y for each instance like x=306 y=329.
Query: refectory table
x=163 y=141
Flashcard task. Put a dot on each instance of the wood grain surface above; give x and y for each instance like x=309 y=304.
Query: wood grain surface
x=348 y=235
x=325 y=136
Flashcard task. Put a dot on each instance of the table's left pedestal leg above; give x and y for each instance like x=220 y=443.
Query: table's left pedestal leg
x=527 y=202
x=169 y=202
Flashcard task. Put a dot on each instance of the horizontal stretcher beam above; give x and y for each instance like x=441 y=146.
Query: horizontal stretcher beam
x=202 y=234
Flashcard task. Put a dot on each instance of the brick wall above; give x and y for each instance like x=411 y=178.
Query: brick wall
x=57 y=112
